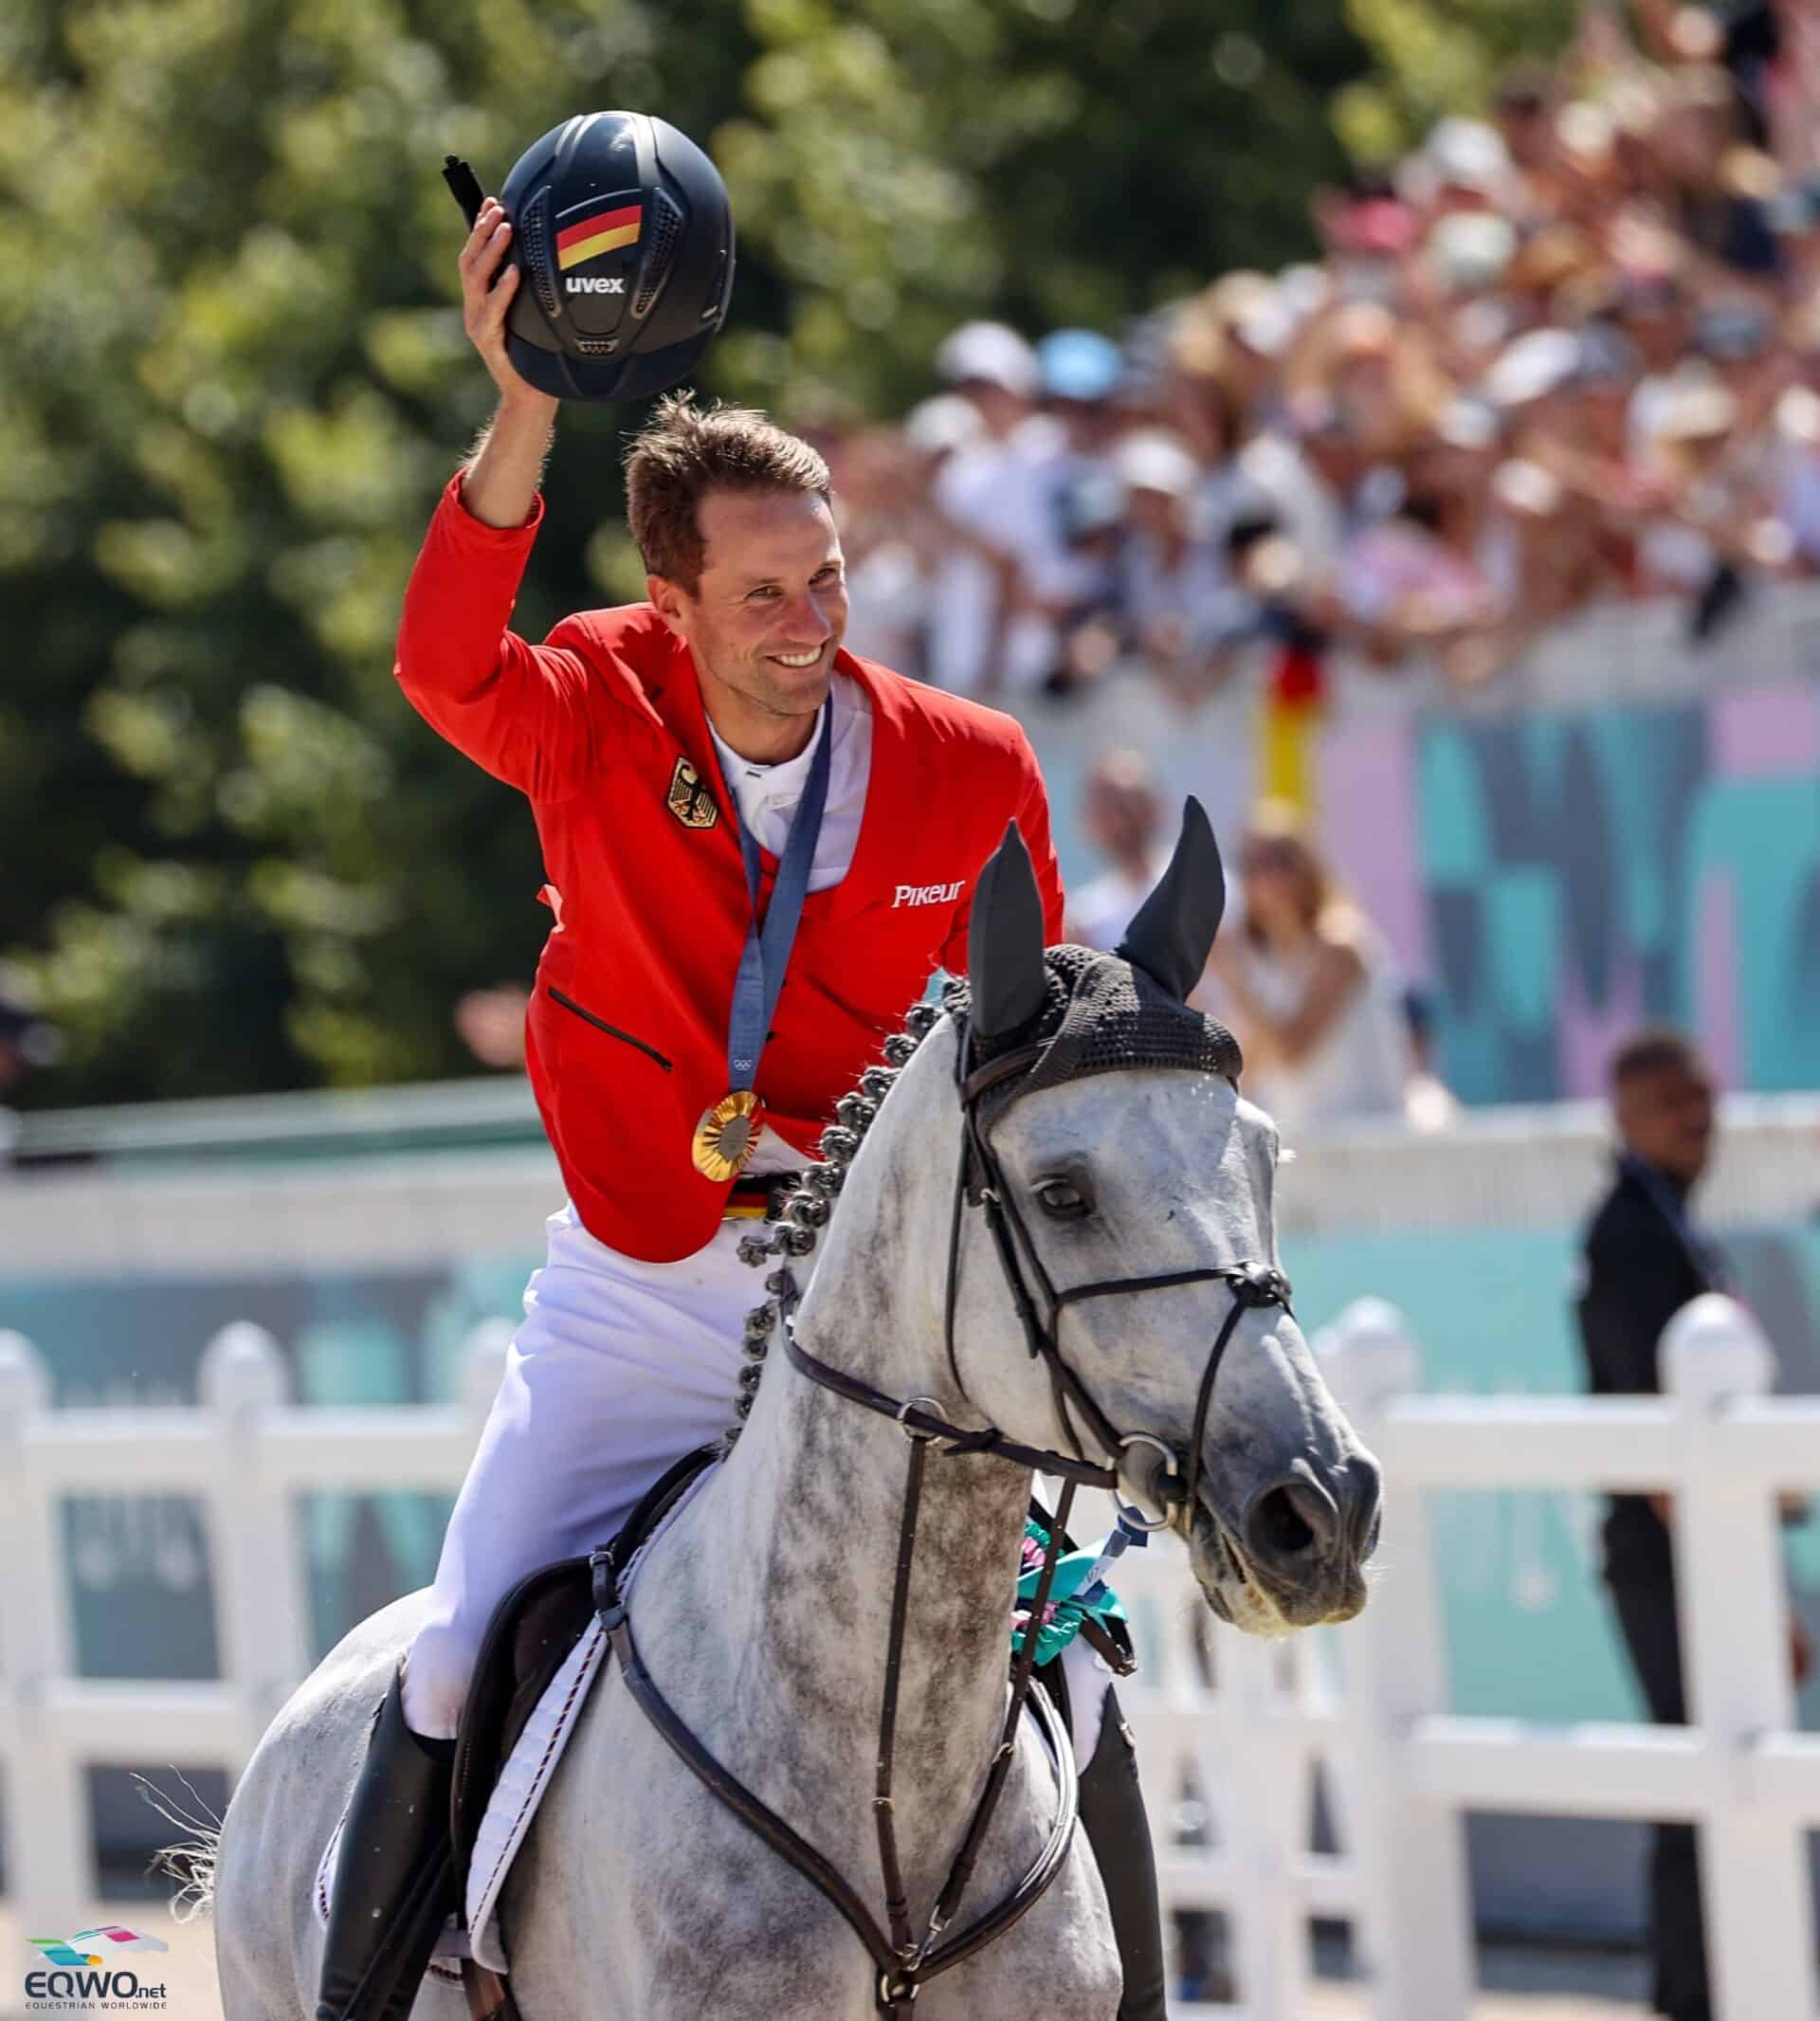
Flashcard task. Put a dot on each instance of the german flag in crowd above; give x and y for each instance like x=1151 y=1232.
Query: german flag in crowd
x=1293 y=706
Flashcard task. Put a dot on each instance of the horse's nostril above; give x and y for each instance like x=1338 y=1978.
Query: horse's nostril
x=1282 y=1524
x=1289 y=1520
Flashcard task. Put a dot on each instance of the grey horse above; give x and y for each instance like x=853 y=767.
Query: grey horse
x=762 y=1612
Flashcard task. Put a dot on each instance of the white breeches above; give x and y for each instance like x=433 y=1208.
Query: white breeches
x=620 y=1368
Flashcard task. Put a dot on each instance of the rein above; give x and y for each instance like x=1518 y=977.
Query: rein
x=903 y=1963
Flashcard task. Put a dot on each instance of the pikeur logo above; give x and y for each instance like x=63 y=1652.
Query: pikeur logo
x=597 y=285
x=927 y=894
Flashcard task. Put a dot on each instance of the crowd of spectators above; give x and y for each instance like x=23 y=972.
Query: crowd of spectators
x=1566 y=353
x=1330 y=1032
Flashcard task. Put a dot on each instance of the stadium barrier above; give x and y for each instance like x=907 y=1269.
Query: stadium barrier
x=405 y=1178
x=1247 y=1721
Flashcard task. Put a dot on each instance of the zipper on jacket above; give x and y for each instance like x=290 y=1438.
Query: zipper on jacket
x=600 y=1024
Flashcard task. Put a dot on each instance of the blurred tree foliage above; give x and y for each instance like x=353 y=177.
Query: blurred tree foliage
x=1432 y=57
x=235 y=378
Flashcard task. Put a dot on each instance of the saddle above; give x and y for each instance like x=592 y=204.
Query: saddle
x=531 y=1634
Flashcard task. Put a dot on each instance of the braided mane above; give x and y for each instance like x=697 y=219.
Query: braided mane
x=794 y=1224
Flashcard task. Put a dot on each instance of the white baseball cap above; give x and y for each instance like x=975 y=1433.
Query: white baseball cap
x=1537 y=363
x=992 y=352
x=1149 y=460
x=946 y=422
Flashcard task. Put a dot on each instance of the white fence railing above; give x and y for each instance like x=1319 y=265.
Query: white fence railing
x=1246 y=1719
x=245 y=1452
x=1402 y=1772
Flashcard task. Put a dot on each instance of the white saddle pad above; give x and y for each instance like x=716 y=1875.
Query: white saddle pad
x=519 y=1789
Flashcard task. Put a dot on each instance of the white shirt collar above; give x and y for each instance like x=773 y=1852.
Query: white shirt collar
x=765 y=788
x=787 y=778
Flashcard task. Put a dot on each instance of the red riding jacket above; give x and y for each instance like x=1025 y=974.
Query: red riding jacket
x=603 y=727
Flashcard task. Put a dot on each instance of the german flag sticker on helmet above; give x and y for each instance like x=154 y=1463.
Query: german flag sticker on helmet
x=602 y=224
x=622 y=227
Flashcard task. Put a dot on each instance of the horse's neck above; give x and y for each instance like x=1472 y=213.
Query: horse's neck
x=789 y=1562
x=813 y=1511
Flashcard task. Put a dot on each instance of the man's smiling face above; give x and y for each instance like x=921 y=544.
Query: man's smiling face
x=769 y=612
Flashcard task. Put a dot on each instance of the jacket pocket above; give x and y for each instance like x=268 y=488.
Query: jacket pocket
x=600 y=1024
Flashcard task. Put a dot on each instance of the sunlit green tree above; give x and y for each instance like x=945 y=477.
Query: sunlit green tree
x=235 y=377
x=1431 y=56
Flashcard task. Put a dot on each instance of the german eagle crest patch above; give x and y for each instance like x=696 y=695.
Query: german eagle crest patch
x=689 y=800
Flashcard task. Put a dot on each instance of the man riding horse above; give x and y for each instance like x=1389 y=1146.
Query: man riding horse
x=758 y=850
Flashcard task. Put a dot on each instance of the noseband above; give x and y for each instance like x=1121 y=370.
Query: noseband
x=903 y=1963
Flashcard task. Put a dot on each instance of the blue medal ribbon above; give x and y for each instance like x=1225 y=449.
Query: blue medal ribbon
x=766 y=954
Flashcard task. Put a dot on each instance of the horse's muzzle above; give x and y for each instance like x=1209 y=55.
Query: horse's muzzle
x=1305 y=1538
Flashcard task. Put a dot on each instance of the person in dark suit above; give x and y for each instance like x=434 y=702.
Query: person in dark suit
x=1645 y=1258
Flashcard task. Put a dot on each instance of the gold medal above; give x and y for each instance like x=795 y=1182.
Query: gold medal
x=726 y=1136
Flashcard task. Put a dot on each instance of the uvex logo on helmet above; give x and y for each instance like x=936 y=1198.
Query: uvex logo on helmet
x=594 y=285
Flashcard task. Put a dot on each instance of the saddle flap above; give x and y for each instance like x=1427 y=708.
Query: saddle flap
x=530 y=1636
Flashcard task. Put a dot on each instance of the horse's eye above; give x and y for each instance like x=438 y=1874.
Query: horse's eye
x=1065 y=1201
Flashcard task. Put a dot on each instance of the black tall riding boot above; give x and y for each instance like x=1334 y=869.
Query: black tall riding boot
x=1112 y=1815
x=394 y=1884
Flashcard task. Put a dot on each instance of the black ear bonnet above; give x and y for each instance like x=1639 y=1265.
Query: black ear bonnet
x=1076 y=1012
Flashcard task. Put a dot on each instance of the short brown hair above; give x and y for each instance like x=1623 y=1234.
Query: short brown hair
x=685 y=451
x=1649 y=1050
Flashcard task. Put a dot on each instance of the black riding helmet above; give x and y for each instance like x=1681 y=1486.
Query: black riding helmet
x=622 y=230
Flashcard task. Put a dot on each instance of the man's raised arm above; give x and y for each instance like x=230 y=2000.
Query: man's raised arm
x=519 y=710
x=500 y=481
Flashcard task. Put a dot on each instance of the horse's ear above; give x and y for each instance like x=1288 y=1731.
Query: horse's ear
x=1004 y=968
x=1172 y=935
